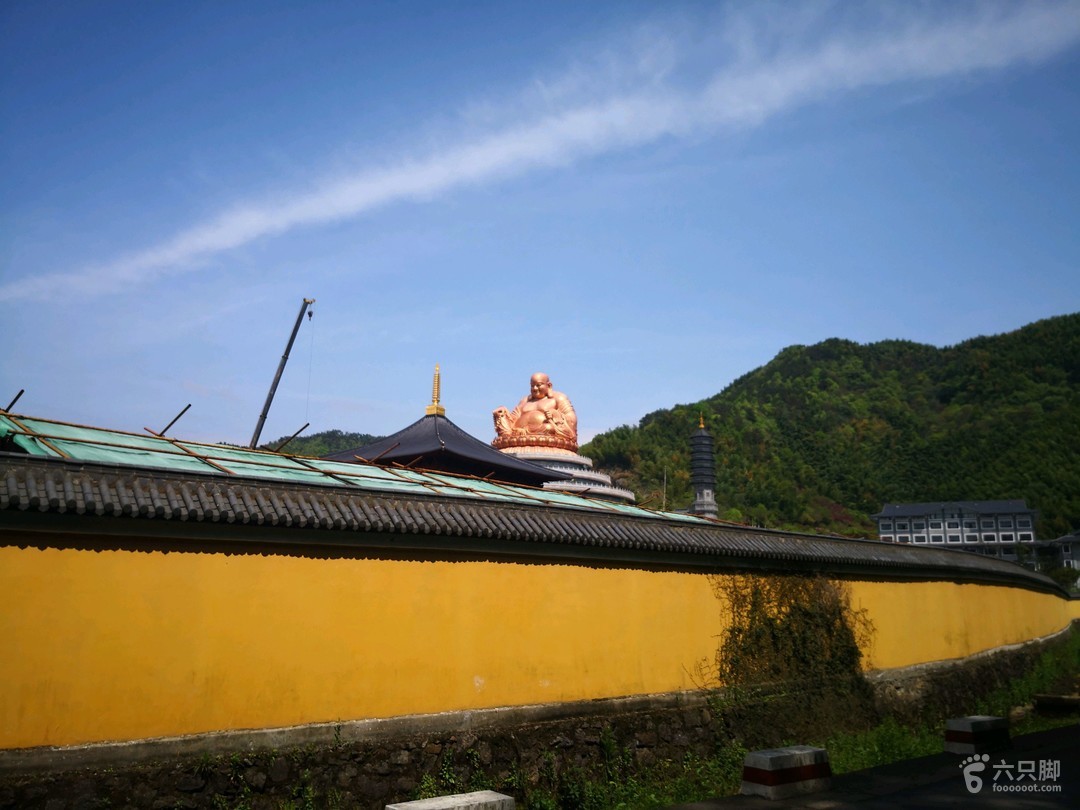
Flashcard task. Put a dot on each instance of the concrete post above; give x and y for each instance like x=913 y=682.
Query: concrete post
x=478 y=800
x=779 y=773
x=977 y=734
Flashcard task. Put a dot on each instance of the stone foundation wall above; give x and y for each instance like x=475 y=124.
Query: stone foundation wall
x=948 y=688
x=372 y=774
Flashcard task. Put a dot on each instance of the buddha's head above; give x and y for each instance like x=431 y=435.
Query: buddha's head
x=539 y=386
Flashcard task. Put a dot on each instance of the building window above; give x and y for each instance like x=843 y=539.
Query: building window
x=971 y=538
x=920 y=538
x=902 y=539
x=988 y=524
x=936 y=538
x=901 y=527
x=953 y=524
x=1023 y=523
x=1025 y=537
x=935 y=524
x=1066 y=550
x=886 y=525
x=1006 y=538
x=989 y=538
x=917 y=526
x=1006 y=523
x=970 y=524
x=954 y=538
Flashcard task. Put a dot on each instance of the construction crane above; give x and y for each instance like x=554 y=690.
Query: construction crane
x=281 y=367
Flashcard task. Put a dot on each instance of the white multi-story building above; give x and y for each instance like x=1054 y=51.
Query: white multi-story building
x=1065 y=550
x=995 y=528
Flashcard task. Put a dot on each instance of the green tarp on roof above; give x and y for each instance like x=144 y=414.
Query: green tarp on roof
x=43 y=437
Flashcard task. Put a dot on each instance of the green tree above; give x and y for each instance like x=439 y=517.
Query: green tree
x=322 y=443
x=821 y=436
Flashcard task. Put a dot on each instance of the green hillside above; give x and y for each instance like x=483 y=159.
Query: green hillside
x=823 y=435
x=321 y=444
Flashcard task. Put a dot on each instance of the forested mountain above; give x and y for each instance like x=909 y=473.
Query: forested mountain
x=823 y=435
x=321 y=444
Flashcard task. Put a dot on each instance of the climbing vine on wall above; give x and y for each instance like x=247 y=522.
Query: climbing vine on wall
x=791 y=654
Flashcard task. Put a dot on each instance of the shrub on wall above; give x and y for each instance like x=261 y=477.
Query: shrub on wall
x=790 y=659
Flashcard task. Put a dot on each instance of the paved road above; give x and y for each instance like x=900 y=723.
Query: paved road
x=937 y=781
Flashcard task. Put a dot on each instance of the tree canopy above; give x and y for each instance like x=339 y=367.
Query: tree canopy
x=823 y=435
x=321 y=444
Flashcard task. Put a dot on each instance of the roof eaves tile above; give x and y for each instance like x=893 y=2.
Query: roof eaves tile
x=359 y=521
x=310 y=502
x=524 y=523
x=418 y=524
x=235 y=508
x=438 y=514
x=479 y=514
x=221 y=505
x=295 y=515
x=282 y=515
x=51 y=495
x=190 y=502
x=366 y=517
x=154 y=502
x=465 y=521
x=251 y=506
x=382 y=522
x=90 y=503
x=71 y=499
x=54 y=485
x=336 y=512
x=176 y=509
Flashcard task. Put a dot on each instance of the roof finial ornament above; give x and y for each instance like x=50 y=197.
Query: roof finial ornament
x=701 y=420
x=435 y=409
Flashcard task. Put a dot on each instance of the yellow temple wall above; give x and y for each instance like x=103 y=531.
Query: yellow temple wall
x=126 y=645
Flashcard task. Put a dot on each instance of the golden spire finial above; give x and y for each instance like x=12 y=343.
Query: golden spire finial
x=701 y=421
x=435 y=409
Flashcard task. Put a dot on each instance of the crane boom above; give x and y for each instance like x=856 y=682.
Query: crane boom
x=277 y=377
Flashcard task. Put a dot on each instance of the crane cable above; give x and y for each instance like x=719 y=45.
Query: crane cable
x=311 y=358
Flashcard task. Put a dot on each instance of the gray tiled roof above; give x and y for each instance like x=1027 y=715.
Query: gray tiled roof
x=895 y=510
x=54 y=498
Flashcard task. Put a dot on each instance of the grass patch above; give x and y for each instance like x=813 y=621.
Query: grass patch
x=887 y=742
x=622 y=786
x=1055 y=670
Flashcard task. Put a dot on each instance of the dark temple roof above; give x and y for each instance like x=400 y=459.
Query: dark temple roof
x=435 y=443
x=895 y=510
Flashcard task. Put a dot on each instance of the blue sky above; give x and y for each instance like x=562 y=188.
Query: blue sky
x=644 y=200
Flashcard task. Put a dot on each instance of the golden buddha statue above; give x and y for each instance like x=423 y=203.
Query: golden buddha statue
x=543 y=419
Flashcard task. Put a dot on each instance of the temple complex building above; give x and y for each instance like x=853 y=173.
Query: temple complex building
x=537 y=446
x=995 y=528
x=437 y=444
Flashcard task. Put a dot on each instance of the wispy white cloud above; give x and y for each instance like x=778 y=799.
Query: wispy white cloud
x=666 y=84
